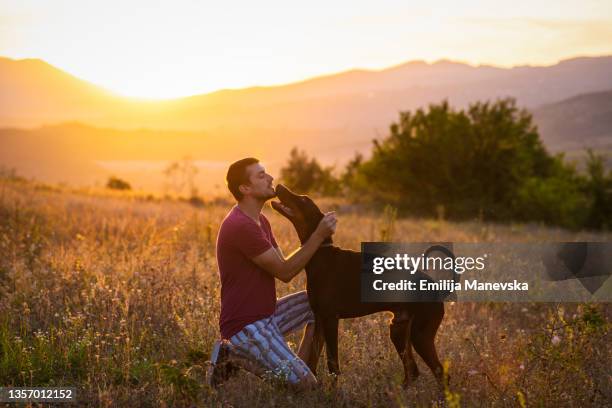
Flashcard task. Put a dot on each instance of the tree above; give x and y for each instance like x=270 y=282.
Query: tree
x=351 y=170
x=469 y=163
x=115 y=183
x=305 y=175
x=598 y=188
x=180 y=175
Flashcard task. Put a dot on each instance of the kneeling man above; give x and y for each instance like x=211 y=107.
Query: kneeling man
x=253 y=322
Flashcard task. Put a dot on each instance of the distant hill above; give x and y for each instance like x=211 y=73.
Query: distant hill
x=81 y=154
x=36 y=93
x=330 y=117
x=581 y=121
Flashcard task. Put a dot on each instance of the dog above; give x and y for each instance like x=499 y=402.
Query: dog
x=334 y=289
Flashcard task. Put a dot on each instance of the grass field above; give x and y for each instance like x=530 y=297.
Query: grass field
x=118 y=295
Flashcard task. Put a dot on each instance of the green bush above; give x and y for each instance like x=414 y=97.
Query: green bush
x=115 y=183
x=305 y=175
x=598 y=188
x=486 y=162
x=556 y=199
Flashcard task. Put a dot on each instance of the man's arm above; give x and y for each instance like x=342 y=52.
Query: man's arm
x=280 y=252
x=285 y=269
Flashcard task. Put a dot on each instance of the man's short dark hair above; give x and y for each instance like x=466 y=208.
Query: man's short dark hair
x=237 y=175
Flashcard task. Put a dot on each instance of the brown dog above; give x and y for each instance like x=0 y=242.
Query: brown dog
x=334 y=290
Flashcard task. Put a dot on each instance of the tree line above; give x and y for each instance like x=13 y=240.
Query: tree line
x=486 y=162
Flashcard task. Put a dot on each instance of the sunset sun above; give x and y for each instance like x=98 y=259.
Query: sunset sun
x=172 y=49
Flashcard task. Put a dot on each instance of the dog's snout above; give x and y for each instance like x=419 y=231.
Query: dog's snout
x=279 y=188
x=282 y=192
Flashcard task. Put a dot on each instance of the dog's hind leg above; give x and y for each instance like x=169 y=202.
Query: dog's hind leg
x=399 y=331
x=330 y=331
x=423 y=336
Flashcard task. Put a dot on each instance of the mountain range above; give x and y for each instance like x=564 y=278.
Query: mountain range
x=331 y=116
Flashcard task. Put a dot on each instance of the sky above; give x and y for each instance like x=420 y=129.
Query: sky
x=164 y=49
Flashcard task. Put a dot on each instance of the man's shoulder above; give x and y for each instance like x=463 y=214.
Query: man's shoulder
x=264 y=219
x=232 y=219
x=236 y=222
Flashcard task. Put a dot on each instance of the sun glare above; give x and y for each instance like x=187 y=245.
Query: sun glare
x=171 y=49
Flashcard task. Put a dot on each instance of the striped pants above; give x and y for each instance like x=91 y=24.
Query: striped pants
x=263 y=341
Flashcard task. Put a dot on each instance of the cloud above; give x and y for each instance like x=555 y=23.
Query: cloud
x=544 y=39
x=603 y=25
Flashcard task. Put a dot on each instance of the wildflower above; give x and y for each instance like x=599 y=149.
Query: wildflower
x=555 y=340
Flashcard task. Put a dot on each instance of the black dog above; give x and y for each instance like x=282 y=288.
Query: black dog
x=334 y=289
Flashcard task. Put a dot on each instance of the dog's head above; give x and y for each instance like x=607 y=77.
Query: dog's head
x=299 y=209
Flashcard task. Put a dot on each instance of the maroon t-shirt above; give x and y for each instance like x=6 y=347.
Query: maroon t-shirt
x=248 y=293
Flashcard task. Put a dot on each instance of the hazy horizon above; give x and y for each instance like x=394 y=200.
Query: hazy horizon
x=176 y=49
x=430 y=63
x=128 y=87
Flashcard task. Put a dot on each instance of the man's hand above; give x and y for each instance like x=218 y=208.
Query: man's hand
x=327 y=226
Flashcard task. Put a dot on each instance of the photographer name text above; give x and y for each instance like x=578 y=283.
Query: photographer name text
x=448 y=285
x=458 y=265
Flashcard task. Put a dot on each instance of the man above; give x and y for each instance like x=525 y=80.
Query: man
x=252 y=322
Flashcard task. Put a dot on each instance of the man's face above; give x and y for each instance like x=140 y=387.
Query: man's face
x=260 y=183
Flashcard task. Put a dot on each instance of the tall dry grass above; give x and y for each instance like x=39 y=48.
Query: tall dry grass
x=118 y=295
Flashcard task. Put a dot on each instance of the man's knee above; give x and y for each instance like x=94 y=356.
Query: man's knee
x=306 y=382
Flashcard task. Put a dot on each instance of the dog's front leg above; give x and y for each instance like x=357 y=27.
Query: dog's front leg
x=318 y=339
x=311 y=345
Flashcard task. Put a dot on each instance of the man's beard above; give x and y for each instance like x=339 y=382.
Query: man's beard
x=265 y=196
